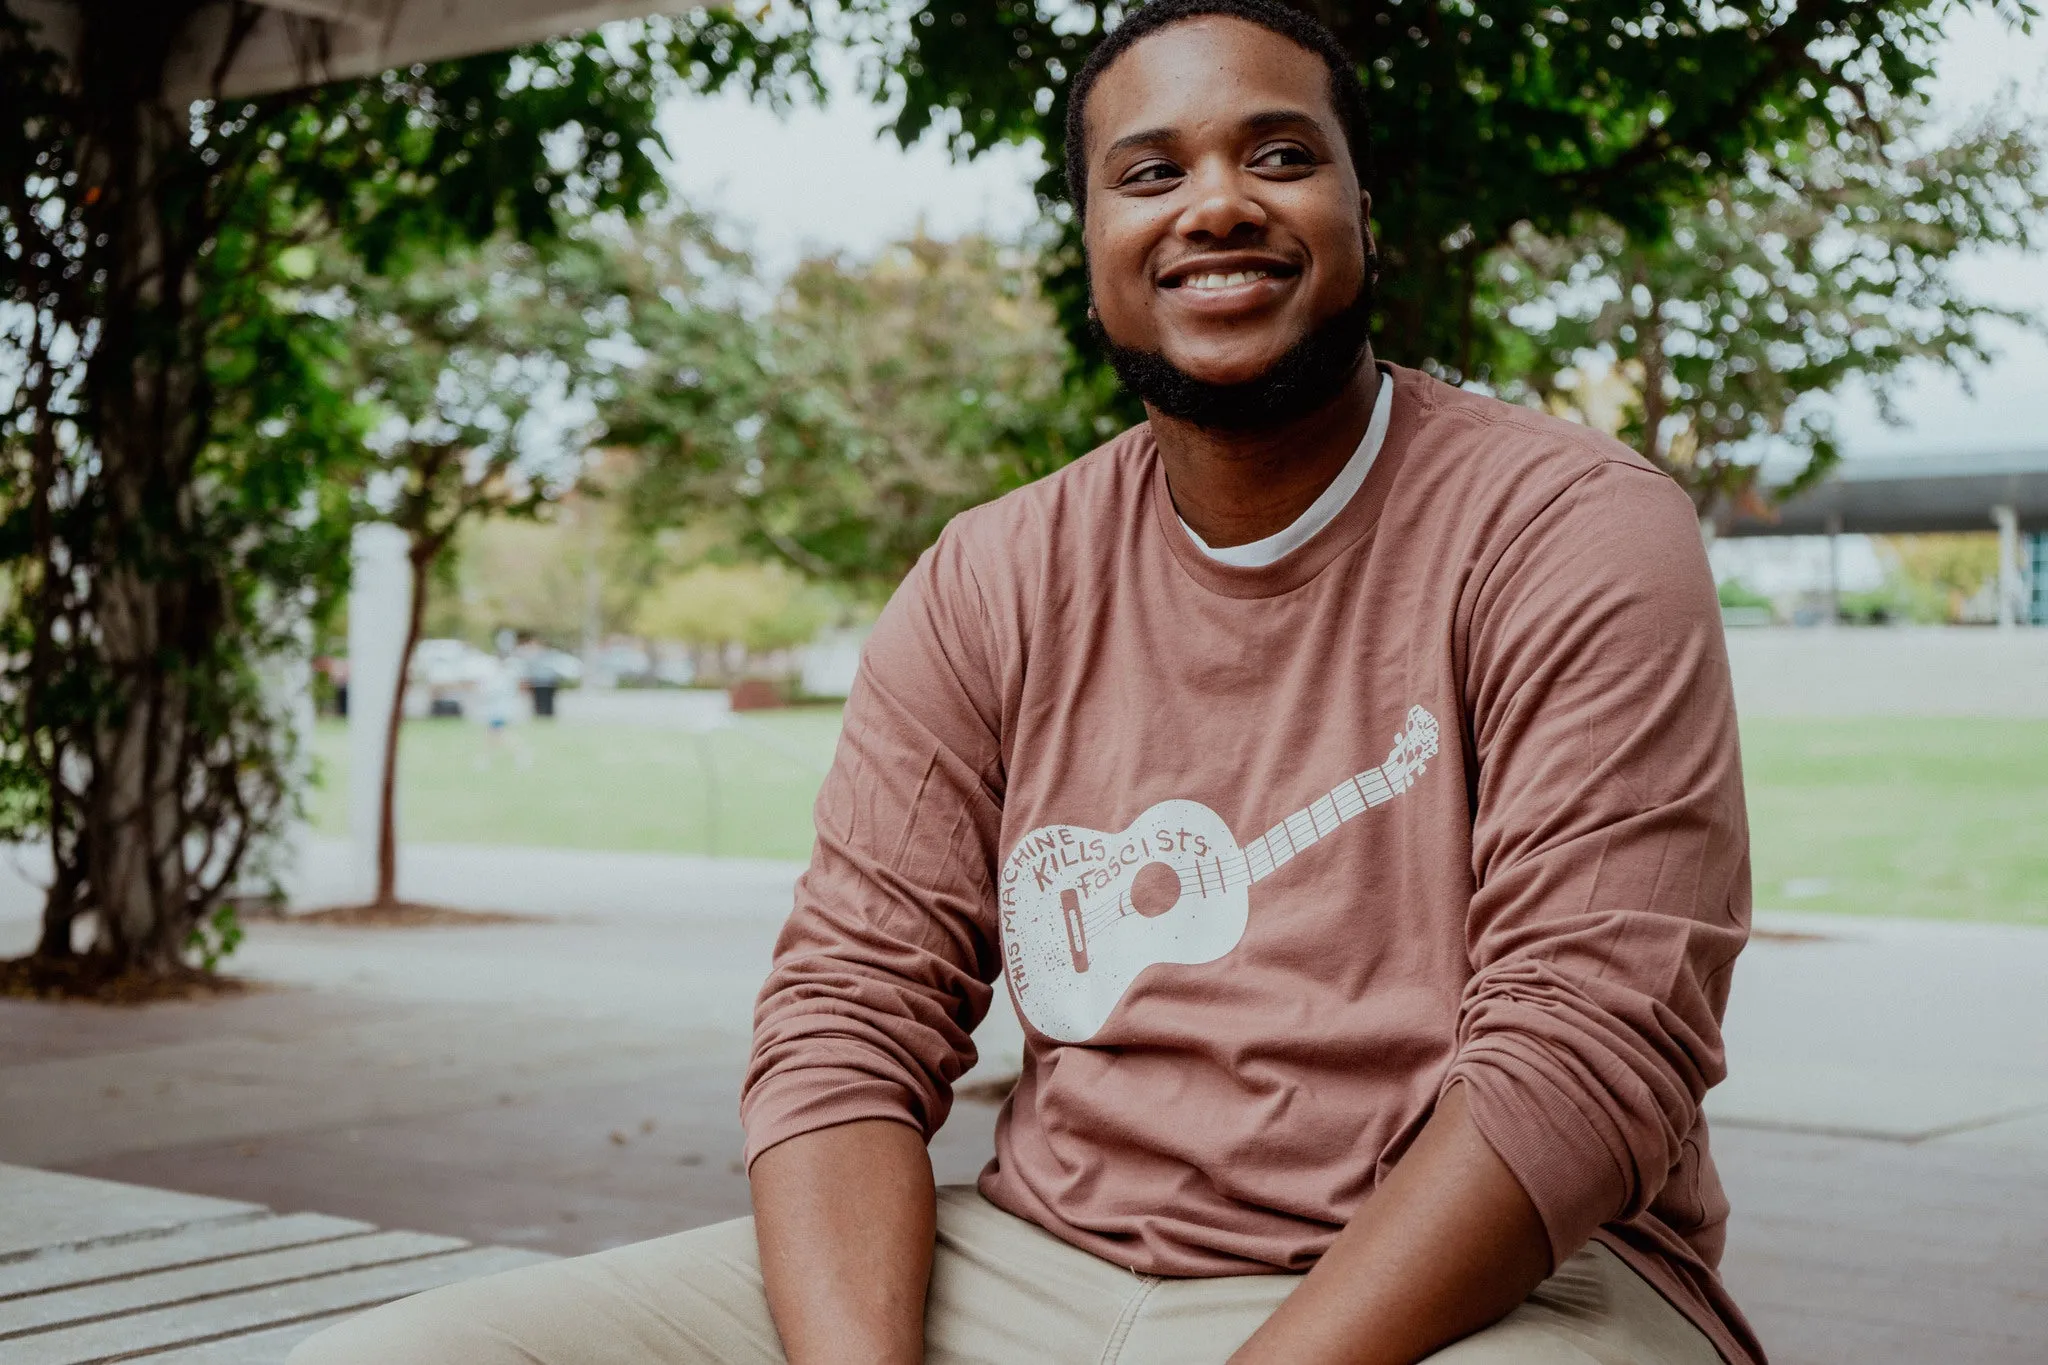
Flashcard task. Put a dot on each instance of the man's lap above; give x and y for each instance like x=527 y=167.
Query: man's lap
x=1003 y=1290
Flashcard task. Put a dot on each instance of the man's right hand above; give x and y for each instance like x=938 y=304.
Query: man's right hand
x=845 y=1218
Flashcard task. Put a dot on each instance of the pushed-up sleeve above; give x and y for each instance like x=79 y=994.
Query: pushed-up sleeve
x=883 y=969
x=1610 y=850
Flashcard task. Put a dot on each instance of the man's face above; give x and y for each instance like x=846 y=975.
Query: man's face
x=1224 y=219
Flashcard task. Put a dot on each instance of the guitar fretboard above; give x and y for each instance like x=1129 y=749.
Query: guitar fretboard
x=1263 y=856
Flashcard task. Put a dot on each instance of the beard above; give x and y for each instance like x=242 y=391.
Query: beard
x=1312 y=372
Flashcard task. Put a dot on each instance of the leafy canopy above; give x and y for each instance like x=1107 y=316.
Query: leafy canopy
x=841 y=428
x=758 y=607
x=479 y=369
x=1485 y=116
x=177 y=412
x=1787 y=282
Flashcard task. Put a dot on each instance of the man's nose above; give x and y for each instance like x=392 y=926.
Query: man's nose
x=1222 y=206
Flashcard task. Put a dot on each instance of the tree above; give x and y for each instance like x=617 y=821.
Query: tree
x=758 y=607
x=875 y=399
x=1486 y=117
x=173 y=409
x=1937 y=575
x=1790 y=280
x=479 y=369
x=568 y=573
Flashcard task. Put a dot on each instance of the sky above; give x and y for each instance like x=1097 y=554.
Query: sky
x=822 y=179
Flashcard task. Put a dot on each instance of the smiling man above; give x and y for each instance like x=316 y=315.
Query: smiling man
x=1339 y=771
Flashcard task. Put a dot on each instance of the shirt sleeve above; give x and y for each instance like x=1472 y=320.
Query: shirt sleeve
x=1610 y=850
x=883 y=969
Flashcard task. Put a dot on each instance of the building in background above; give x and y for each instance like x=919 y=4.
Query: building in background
x=2006 y=493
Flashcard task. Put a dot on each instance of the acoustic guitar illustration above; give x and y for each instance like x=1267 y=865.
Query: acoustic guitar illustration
x=1084 y=912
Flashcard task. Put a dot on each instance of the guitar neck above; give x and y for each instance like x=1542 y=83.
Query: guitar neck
x=1274 y=849
x=1320 y=818
x=1316 y=821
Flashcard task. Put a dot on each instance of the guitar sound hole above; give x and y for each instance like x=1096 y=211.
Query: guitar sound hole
x=1155 y=889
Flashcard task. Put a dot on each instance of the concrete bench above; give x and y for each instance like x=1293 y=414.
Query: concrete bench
x=92 y=1270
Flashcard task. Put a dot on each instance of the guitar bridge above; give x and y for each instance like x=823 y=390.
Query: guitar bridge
x=1077 y=928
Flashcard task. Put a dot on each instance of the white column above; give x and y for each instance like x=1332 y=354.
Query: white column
x=290 y=681
x=275 y=861
x=380 y=594
x=2010 y=590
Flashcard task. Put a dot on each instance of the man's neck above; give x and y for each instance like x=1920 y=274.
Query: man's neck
x=1235 y=487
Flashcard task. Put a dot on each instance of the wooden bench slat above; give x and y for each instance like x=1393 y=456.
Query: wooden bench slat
x=163 y=1288
x=41 y=1211
x=189 y=1246
x=267 y=1347
x=250 y=1310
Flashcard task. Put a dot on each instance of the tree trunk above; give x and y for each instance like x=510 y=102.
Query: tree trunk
x=60 y=912
x=45 y=745
x=387 y=797
x=150 y=597
x=134 y=820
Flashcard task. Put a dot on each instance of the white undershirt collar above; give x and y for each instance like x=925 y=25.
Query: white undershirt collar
x=1332 y=500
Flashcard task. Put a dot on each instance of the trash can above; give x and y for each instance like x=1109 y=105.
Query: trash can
x=544 y=699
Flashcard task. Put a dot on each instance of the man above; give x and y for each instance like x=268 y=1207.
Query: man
x=1413 y=1073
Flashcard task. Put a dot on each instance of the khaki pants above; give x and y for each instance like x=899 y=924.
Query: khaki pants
x=1003 y=1291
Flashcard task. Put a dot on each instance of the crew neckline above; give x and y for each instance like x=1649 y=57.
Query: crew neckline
x=1352 y=522
x=1257 y=554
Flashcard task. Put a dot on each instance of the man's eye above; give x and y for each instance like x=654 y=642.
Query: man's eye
x=1151 y=171
x=1272 y=158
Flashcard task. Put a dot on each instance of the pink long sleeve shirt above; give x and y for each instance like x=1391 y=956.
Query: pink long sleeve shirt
x=1268 y=857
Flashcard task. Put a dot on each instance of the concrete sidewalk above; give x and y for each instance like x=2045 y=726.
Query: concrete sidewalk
x=1901 y=1030
x=1889 y=671
x=569 y=1084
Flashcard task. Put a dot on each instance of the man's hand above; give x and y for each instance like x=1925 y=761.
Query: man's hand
x=1448 y=1245
x=845 y=1219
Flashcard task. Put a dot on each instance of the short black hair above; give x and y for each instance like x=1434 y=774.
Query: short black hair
x=1347 y=91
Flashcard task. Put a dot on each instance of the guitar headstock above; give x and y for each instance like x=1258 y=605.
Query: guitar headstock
x=1413 y=748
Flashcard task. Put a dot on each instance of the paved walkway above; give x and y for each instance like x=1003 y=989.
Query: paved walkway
x=1897 y=671
x=569 y=1084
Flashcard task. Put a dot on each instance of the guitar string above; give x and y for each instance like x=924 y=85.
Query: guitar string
x=1239 y=861
x=1404 y=760
x=1093 y=922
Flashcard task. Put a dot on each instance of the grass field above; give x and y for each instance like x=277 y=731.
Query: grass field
x=744 y=791
x=1934 y=819
x=1944 y=819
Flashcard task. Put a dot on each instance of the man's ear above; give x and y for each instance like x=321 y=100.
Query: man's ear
x=1372 y=243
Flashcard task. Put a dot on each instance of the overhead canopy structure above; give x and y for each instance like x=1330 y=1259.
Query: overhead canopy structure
x=295 y=43
x=1892 y=497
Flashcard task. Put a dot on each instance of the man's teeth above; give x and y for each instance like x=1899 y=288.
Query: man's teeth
x=1219 y=280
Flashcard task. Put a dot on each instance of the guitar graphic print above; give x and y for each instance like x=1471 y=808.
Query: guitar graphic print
x=1083 y=912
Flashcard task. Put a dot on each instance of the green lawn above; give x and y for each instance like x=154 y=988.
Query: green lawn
x=745 y=791
x=1935 y=819
x=1943 y=819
